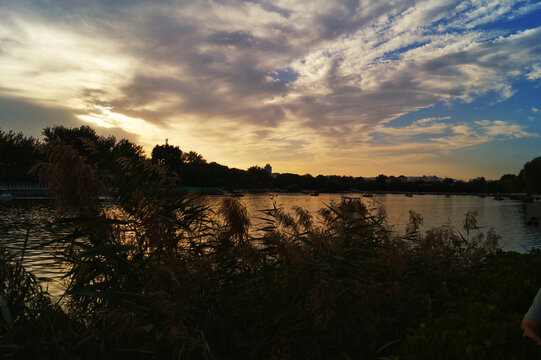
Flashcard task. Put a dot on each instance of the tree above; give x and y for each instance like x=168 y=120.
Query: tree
x=508 y=183
x=381 y=182
x=193 y=158
x=128 y=150
x=83 y=139
x=258 y=175
x=18 y=154
x=478 y=184
x=530 y=176
x=97 y=151
x=448 y=181
x=169 y=156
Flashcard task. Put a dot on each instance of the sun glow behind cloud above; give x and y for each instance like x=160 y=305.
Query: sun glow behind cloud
x=105 y=118
x=54 y=65
x=320 y=87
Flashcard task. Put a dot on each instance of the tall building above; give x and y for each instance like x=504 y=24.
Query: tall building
x=268 y=169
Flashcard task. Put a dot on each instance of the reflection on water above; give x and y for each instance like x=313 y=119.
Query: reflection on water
x=507 y=217
x=22 y=218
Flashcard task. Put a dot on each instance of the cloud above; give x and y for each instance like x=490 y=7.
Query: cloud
x=414 y=129
x=431 y=119
x=437 y=139
x=31 y=118
x=498 y=128
x=535 y=73
x=244 y=80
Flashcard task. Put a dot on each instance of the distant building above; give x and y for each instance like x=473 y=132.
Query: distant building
x=268 y=169
x=425 y=179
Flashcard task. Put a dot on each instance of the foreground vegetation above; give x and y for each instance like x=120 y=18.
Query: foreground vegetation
x=160 y=276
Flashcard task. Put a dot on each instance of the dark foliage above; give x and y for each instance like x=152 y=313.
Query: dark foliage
x=17 y=155
x=484 y=324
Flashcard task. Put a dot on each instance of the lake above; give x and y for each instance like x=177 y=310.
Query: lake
x=19 y=218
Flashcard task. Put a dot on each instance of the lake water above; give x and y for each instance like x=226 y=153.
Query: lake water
x=21 y=217
x=506 y=216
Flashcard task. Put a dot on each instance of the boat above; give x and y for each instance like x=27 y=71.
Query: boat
x=368 y=195
x=315 y=193
x=409 y=195
x=6 y=196
x=533 y=213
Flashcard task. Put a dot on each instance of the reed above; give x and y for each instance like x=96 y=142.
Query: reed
x=160 y=275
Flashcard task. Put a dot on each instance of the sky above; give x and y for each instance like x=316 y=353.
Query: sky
x=361 y=88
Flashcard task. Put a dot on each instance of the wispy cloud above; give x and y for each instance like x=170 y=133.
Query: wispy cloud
x=448 y=137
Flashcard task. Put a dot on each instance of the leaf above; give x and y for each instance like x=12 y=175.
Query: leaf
x=147 y=328
x=6 y=313
x=105 y=250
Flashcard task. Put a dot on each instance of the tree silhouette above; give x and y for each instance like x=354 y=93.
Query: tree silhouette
x=530 y=176
x=259 y=175
x=168 y=156
x=18 y=154
x=508 y=183
x=83 y=139
x=381 y=182
x=193 y=158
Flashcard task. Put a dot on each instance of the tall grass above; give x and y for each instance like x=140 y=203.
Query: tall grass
x=160 y=275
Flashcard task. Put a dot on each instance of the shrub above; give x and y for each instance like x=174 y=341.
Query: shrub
x=485 y=324
x=31 y=325
x=475 y=331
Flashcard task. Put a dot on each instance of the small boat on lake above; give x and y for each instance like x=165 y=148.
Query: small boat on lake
x=533 y=213
x=6 y=196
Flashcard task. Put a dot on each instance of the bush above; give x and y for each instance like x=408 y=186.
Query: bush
x=507 y=280
x=486 y=322
x=476 y=331
x=31 y=325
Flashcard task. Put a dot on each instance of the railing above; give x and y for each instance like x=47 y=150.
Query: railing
x=23 y=191
x=22 y=186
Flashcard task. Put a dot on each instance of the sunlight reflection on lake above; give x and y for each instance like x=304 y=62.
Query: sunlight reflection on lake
x=507 y=217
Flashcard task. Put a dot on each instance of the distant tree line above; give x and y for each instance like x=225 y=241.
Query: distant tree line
x=19 y=154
